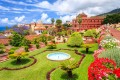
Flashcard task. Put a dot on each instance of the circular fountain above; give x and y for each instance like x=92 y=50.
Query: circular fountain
x=58 y=56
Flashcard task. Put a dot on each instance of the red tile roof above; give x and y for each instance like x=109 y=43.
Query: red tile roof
x=4 y=41
x=31 y=37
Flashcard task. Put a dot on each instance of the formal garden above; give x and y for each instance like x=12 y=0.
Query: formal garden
x=94 y=55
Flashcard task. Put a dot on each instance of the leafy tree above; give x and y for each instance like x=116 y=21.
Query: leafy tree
x=75 y=40
x=18 y=56
x=58 y=24
x=25 y=42
x=112 y=19
x=46 y=27
x=16 y=39
x=43 y=38
x=89 y=33
x=66 y=26
x=52 y=20
x=69 y=67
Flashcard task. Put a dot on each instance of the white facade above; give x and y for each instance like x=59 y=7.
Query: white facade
x=38 y=32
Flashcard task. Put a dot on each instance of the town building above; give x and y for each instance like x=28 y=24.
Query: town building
x=87 y=22
x=38 y=27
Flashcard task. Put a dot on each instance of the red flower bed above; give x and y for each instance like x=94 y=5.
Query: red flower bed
x=117 y=72
x=101 y=69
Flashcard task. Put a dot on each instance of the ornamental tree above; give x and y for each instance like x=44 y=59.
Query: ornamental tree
x=18 y=56
x=16 y=39
x=75 y=40
x=69 y=67
x=87 y=46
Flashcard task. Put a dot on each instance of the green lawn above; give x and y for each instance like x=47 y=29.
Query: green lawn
x=39 y=70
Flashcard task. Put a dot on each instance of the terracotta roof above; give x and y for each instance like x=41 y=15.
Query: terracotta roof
x=40 y=28
x=4 y=41
x=31 y=37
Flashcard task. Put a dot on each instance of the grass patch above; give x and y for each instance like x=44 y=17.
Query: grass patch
x=39 y=70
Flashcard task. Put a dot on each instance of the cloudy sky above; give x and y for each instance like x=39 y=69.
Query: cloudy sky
x=26 y=11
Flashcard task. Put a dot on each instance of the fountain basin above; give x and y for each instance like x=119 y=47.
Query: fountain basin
x=58 y=56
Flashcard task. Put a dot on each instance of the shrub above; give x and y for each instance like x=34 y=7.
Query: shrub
x=52 y=46
x=113 y=54
x=37 y=46
x=89 y=33
x=1 y=51
x=26 y=48
x=75 y=40
x=11 y=52
x=18 y=56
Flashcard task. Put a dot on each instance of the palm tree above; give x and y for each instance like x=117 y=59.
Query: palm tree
x=68 y=67
x=52 y=20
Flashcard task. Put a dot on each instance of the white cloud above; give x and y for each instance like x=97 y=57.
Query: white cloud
x=67 y=18
x=4 y=20
x=74 y=6
x=3 y=8
x=44 y=16
x=48 y=20
x=19 y=19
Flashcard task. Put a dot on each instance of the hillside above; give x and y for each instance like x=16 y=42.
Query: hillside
x=111 y=12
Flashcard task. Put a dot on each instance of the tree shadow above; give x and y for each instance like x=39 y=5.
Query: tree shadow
x=65 y=77
x=89 y=52
x=23 y=61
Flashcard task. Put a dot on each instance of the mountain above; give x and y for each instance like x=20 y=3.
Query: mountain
x=111 y=12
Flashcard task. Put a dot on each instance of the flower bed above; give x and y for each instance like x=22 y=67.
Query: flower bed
x=103 y=69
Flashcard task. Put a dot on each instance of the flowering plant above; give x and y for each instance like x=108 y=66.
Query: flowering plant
x=117 y=72
x=109 y=42
x=101 y=69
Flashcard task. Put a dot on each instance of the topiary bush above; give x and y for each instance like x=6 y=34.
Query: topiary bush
x=75 y=40
x=113 y=54
x=52 y=46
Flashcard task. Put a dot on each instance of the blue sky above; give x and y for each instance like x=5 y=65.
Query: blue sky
x=27 y=11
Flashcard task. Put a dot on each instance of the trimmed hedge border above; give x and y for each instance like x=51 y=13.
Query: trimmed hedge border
x=35 y=60
x=76 y=52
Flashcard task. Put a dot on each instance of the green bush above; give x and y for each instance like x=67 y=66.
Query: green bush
x=11 y=52
x=2 y=51
x=75 y=40
x=89 y=33
x=37 y=46
x=52 y=46
x=113 y=54
x=26 y=48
